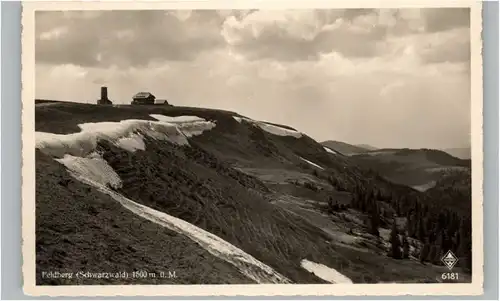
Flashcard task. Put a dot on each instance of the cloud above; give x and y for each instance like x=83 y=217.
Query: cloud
x=438 y=19
x=388 y=77
x=136 y=38
x=126 y=38
x=390 y=87
x=450 y=46
x=302 y=34
x=306 y=34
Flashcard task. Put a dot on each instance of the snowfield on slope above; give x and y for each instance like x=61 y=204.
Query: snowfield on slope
x=331 y=151
x=272 y=129
x=127 y=134
x=95 y=171
x=177 y=119
x=324 y=272
x=93 y=168
x=311 y=163
x=188 y=125
x=132 y=142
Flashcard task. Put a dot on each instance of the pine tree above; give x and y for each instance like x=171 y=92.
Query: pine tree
x=395 y=242
x=463 y=239
x=455 y=239
x=428 y=222
x=432 y=237
x=403 y=202
x=468 y=258
x=410 y=225
x=424 y=252
x=406 y=246
x=353 y=201
x=425 y=209
x=464 y=251
x=432 y=253
x=362 y=204
x=421 y=231
x=417 y=209
x=366 y=202
x=445 y=242
x=374 y=220
x=331 y=205
x=441 y=221
x=398 y=208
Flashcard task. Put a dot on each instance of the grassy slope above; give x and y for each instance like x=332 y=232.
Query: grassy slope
x=80 y=229
x=344 y=148
x=198 y=185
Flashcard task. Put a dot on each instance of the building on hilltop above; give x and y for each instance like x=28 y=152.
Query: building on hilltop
x=143 y=98
x=104 y=97
x=147 y=98
x=161 y=102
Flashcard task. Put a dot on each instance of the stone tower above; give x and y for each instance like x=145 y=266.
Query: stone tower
x=104 y=97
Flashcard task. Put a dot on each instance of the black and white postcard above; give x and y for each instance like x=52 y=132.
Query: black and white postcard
x=252 y=148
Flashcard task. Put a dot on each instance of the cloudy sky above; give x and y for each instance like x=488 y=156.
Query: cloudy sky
x=389 y=78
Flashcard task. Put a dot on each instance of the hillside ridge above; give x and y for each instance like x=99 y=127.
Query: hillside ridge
x=345 y=148
x=266 y=190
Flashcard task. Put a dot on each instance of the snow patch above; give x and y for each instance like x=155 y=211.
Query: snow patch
x=446 y=169
x=93 y=167
x=311 y=163
x=188 y=125
x=272 y=129
x=385 y=234
x=124 y=134
x=331 y=151
x=95 y=171
x=240 y=119
x=279 y=131
x=425 y=186
x=132 y=143
x=324 y=272
x=176 y=119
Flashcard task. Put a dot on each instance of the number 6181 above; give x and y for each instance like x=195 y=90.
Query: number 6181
x=449 y=276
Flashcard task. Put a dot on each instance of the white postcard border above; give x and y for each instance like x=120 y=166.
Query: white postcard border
x=28 y=161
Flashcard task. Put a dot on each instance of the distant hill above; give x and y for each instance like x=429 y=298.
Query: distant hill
x=459 y=152
x=418 y=168
x=346 y=148
x=367 y=146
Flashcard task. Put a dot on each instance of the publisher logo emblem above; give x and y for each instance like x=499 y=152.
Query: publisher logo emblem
x=449 y=259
